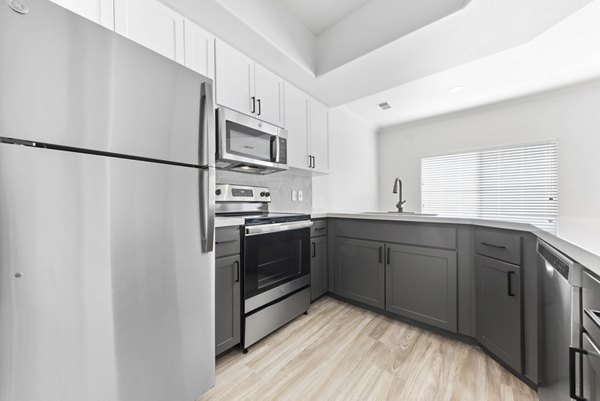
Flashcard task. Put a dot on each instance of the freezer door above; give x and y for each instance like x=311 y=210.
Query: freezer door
x=105 y=293
x=70 y=82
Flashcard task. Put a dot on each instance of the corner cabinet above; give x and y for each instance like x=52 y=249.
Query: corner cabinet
x=152 y=25
x=421 y=284
x=247 y=87
x=360 y=271
x=307 y=123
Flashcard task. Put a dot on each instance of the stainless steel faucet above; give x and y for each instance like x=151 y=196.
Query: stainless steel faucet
x=398 y=190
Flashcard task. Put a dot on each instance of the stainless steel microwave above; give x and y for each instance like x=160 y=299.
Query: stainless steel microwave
x=249 y=145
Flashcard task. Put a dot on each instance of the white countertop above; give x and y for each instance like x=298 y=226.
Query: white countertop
x=228 y=221
x=586 y=258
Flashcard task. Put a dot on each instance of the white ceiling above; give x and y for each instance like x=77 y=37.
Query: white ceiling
x=492 y=48
x=564 y=55
x=319 y=15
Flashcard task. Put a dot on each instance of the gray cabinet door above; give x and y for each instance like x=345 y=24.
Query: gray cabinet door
x=359 y=271
x=318 y=267
x=499 y=309
x=227 y=303
x=421 y=284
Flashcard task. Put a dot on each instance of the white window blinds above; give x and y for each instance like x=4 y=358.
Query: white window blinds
x=518 y=184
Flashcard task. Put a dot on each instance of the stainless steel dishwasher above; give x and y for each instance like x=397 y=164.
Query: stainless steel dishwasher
x=560 y=324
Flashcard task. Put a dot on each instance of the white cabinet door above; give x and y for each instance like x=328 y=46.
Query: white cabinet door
x=296 y=123
x=319 y=135
x=151 y=24
x=199 y=50
x=99 y=11
x=234 y=79
x=269 y=96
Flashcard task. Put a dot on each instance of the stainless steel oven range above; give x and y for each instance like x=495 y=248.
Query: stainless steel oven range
x=276 y=260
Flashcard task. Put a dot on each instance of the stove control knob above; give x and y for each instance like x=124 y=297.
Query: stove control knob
x=268 y=194
x=263 y=194
x=218 y=192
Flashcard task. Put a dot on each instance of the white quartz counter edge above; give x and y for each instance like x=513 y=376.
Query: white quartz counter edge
x=228 y=221
x=586 y=258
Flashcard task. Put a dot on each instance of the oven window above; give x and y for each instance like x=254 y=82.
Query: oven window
x=248 y=142
x=274 y=259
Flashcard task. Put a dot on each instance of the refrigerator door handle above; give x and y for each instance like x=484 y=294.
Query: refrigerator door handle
x=207 y=126
x=207 y=209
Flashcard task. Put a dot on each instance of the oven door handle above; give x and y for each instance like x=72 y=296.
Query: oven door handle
x=277 y=227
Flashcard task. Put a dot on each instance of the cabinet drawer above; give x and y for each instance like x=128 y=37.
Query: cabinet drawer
x=501 y=245
x=318 y=228
x=227 y=242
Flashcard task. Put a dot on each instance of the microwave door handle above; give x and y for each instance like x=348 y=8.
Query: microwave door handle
x=274 y=152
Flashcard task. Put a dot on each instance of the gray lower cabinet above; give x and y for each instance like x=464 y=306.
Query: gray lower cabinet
x=421 y=284
x=318 y=267
x=360 y=271
x=227 y=303
x=499 y=309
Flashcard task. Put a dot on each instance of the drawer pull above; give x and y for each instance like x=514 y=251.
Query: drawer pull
x=225 y=242
x=319 y=228
x=493 y=245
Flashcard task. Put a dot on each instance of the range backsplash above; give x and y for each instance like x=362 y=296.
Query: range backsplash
x=281 y=185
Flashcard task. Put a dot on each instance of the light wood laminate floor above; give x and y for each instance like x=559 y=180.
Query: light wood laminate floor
x=343 y=352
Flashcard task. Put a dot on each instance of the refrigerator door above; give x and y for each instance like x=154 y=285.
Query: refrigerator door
x=105 y=293
x=67 y=81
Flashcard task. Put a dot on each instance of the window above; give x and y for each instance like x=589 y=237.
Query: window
x=518 y=184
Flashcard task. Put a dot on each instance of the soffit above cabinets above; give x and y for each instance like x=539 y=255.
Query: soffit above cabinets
x=340 y=51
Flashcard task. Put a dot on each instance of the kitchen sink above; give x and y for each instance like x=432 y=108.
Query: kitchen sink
x=404 y=213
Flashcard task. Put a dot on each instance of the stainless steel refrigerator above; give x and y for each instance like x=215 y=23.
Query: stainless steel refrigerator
x=106 y=215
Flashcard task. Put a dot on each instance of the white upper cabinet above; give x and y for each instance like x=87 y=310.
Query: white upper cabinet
x=307 y=123
x=296 y=124
x=199 y=50
x=234 y=79
x=153 y=25
x=269 y=95
x=319 y=135
x=99 y=11
x=245 y=86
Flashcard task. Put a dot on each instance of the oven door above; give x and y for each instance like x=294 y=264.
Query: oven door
x=276 y=261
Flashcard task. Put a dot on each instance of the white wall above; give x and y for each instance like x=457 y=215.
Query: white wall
x=570 y=116
x=352 y=183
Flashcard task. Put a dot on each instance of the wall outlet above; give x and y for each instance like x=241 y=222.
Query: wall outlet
x=294 y=195
x=300 y=196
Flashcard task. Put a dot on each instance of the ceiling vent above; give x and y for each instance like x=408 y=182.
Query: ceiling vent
x=384 y=106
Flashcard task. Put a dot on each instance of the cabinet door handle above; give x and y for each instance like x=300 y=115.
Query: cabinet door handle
x=510 y=289
x=388 y=255
x=314 y=161
x=253 y=104
x=237 y=271
x=309 y=161
x=225 y=242
x=380 y=254
x=493 y=246
x=314 y=251
x=259 y=109
x=572 y=374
